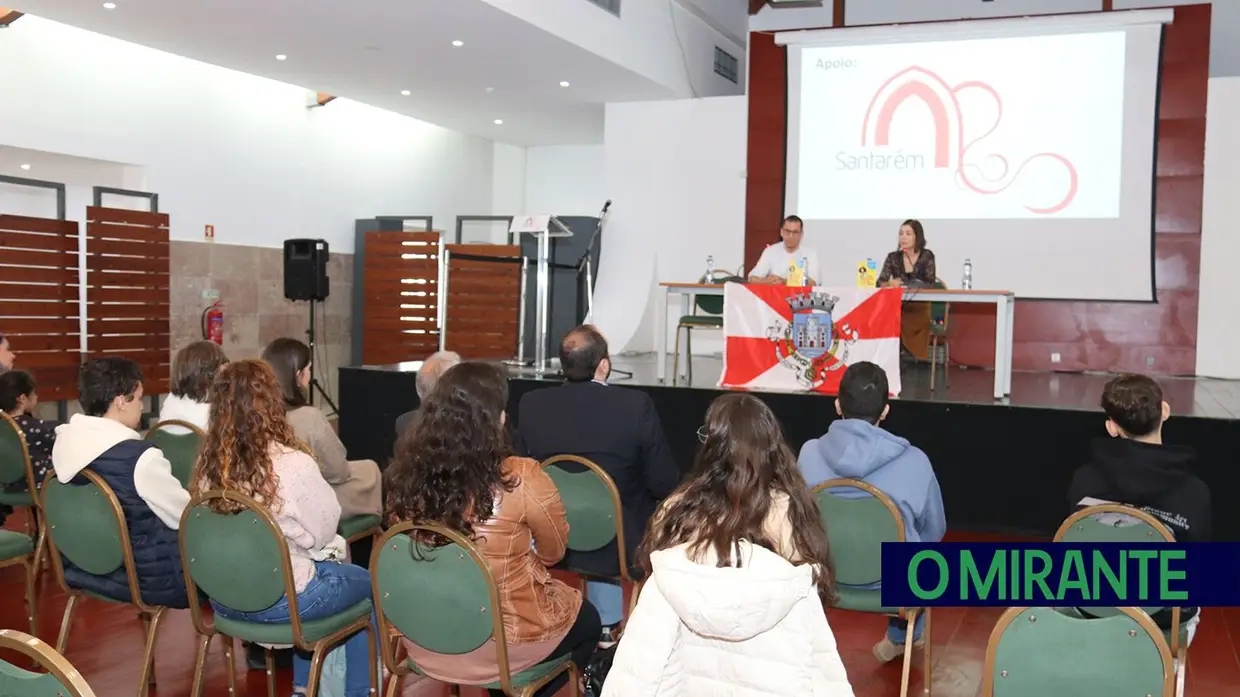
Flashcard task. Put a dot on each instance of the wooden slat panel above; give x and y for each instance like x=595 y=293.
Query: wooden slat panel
x=34 y=360
x=117 y=311
x=29 y=291
x=43 y=342
x=381 y=247
x=128 y=279
x=28 y=274
x=95 y=261
x=482 y=301
x=13 y=308
x=17 y=327
x=55 y=382
x=101 y=231
x=496 y=326
x=124 y=215
x=131 y=342
x=28 y=240
x=126 y=295
x=137 y=248
x=97 y=326
x=391 y=260
x=21 y=223
x=25 y=257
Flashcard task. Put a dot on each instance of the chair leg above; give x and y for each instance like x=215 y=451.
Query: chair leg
x=927 y=665
x=1183 y=670
x=947 y=362
x=372 y=636
x=908 y=652
x=200 y=664
x=316 y=668
x=269 y=662
x=32 y=605
x=688 y=356
x=574 y=681
x=676 y=357
x=230 y=664
x=394 y=680
x=148 y=654
x=63 y=639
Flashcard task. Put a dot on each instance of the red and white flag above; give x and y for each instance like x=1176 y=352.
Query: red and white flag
x=788 y=338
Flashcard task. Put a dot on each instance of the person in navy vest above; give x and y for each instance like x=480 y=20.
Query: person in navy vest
x=105 y=440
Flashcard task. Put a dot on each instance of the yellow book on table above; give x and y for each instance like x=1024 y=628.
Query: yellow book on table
x=796 y=273
x=867 y=274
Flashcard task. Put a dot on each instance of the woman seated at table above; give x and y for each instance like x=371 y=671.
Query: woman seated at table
x=911 y=264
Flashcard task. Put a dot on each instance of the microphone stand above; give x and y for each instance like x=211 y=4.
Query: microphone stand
x=583 y=264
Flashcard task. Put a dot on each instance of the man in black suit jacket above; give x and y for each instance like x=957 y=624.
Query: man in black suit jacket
x=614 y=427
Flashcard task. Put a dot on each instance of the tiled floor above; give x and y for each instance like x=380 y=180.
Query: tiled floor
x=106 y=646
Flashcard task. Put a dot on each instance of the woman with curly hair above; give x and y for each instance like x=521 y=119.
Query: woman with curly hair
x=454 y=466
x=251 y=449
x=738 y=574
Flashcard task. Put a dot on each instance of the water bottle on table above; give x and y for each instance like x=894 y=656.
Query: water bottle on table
x=710 y=269
x=967 y=281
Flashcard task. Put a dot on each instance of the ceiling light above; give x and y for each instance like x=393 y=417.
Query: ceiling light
x=25 y=166
x=499 y=122
x=564 y=83
x=281 y=57
x=490 y=90
x=109 y=6
x=458 y=43
x=405 y=93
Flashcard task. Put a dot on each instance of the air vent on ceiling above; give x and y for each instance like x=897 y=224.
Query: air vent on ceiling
x=612 y=6
x=726 y=65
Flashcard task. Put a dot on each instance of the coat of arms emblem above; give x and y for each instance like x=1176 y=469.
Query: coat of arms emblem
x=811 y=344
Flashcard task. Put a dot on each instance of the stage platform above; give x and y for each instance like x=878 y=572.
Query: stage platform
x=1003 y=466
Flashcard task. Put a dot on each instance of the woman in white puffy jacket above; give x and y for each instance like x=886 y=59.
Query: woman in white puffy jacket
x=738 y=574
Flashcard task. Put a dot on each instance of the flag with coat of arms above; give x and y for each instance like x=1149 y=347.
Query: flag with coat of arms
x=802 y=339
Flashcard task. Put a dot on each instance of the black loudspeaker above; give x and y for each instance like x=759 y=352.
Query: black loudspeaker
x=305 y=270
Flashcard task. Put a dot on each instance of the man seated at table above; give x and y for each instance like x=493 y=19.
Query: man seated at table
x=616 y=428
x=772 y=266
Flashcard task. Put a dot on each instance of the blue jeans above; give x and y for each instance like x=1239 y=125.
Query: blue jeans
x=608 y=599
x=333 y=588
x=897 y=629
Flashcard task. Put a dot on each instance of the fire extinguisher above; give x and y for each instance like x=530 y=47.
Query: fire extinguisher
x=213 y=323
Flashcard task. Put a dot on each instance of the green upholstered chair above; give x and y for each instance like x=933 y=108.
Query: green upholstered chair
x=711 y=317
x=181 y=449
x=86 y=525
x=1113 y=522
x=857 y=527
x=240 y=559
x=357 y=527
x=444 y=599
x=940 y=315
x=60 y=678
x=1035 y=652
x=592 y=506
x=15 y=466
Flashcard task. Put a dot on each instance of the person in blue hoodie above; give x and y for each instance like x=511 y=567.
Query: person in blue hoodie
x=857 y=447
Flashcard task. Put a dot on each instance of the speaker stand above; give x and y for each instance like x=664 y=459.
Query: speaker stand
x=314 y=357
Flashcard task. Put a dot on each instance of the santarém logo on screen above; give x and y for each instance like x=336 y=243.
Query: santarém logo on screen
x=947 y=148
x=1060 y=574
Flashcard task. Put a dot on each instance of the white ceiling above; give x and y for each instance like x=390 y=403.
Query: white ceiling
x=370 y=50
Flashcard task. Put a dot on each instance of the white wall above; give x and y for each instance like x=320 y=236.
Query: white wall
x=675 y=172
x=1218 y=333
x=565 y=180
x=229 y=149
x=657 y=39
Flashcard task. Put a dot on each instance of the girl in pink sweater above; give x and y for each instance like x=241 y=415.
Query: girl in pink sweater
x=250 y=448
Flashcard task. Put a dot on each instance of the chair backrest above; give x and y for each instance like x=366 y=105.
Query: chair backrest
x=1113 y=522
x=181 y=449
x=239 y=559
x=86 y=525
x=712 y=304
x=1034 y=652
x=857 y=527
x=443 y=599
x=60 y=680
x=939 y=311
x=591 y=502
x=14 y=455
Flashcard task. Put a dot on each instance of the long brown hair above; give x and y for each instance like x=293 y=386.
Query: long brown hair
x=287 y=358
x=448 y=466
x=721 y=502
x=247 y=419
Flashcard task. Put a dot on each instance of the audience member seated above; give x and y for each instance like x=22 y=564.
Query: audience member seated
x=193 y=370
x=614 y=427
x=356 y=482
x=740 y=574
x=251 y=448
x=7 y=357
x=18 y=399
x=103 y=438
x=432 y=368
x=1133 y=467
x=454 y=467
x=857 y=447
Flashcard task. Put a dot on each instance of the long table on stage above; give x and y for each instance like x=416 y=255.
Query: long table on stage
x=1003 y=300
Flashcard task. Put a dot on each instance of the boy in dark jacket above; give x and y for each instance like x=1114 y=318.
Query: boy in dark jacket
x=1134 y=467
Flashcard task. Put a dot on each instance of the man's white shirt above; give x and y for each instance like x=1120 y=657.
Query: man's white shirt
x=776 y=258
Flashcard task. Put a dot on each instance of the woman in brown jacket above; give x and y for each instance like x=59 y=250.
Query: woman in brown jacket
x=454 y=466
